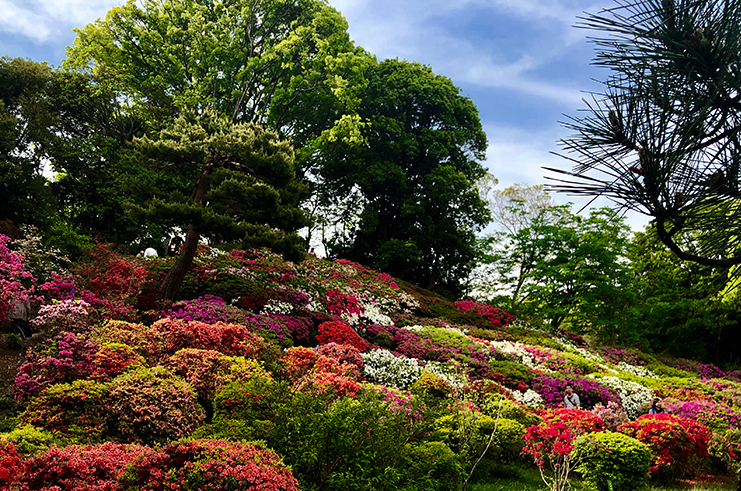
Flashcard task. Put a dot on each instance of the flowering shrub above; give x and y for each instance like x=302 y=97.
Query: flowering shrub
x=112 y=359
x=715 y=415
x=496 y=316
x=618 y=355
x=343 y=353
x=11 y=466
x=528 y=398
x=551 y=389
x=178 y=334
x=76 y=467
x=78 y=409
x=633 y=396
x=65 y=315
x=68 y=357
x=246 y=400
x=202 y=369
x=12 y=277
x=612 y=461
x=558 y=361
x=340 y=303
x=576 y=419
x=613 y=415
x=382 y=367
x=144 y=340
x=153 y=405
x=207 y=308
x=340 y=333
x=431 y=388
x=112 y=276
x=550 y=446
x=674 y=441
x=329 y=383
x=209 y=465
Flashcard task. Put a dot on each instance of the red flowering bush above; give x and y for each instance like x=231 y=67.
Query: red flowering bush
x=298 y=363
x=153 y=405
x=202 y=465
x=246 y=400
x=343 y=353
x=81 y=468
x=179 y=334
x=550 y=445
x=340 y=333
x=113 y=359
x=110 y=275
x=576 y=419
x=202 y=369
x=79 y=409
x=340 y=303
x=329 y=384
x=11 y=465
x=676 y=442
x=496 y=316
x=237 y=340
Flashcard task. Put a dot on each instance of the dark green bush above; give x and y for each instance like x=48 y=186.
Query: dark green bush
x=615 y=458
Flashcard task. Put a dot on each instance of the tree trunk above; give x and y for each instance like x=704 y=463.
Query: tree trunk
x=174 y=279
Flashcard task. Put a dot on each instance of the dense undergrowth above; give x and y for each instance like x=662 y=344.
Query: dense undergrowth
x=268 y=374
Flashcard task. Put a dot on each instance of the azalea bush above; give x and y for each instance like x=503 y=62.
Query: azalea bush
x=64 y=315
x=209 y=465
x=714 y=415
x=550 y=446
x=113 y=359
x=340 y=333
x=77 y=467
x=79 y=409
x=382 y=367
x=153 y=405
x=14 y=279
x=634 y=397
x=66 y=358
x=576 y=419
x=145 y=341
x=11 y=465
x=613 y=415
x=204 y=370
x=496 y=316
x=344 y=353
x=678 y=444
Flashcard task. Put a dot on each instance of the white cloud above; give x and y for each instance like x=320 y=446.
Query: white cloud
x=49 y=21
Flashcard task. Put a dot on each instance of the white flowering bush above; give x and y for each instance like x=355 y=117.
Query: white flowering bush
x=382 y=367
x=277 y=307
x=518 y=351
x=373 y=315
x=529 y=398
x=633 y=395
x=638 y=371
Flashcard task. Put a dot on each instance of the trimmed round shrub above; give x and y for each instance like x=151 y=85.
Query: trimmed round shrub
x=496 y=404
x=678 y=444
x=432 y=388
x=77 y=468
x=113 y=359
x=430 y=466
x=245 y=400
x=344 y=353
x=153 y=405
x=511 y=374
x=204 y=465
x=179 y=334
x=606 y=458
x=340 y=333
x=79 y=409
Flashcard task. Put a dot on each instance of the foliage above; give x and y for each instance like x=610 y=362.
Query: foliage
x=66 y=358
x=675 y=442
x=79 y=409
x=414 y=175
x=209 y=465
x=30 y=440
x=612 y=461
x=153 y=405
x=679 y=167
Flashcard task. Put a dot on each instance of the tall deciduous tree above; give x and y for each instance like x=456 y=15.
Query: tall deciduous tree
x=664 y=137
x=415 y=169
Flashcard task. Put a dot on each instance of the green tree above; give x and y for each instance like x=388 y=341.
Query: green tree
x=241 y=186
x=663 y=137
x=415 y=170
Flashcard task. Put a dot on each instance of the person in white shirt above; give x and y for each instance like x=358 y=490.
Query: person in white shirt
x=571 y=399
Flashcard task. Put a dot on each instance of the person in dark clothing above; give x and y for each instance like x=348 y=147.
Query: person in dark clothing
x=19 y=318
x=175 y=244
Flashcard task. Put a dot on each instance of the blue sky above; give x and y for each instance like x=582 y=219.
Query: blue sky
x=520 y=61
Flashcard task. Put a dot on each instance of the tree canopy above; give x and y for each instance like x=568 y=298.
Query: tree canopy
x=414 y=170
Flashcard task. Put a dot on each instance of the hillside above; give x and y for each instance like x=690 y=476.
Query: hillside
x=347 y=378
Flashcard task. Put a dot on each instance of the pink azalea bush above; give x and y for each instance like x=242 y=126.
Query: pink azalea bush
x=496 y=316
x=12 y=278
